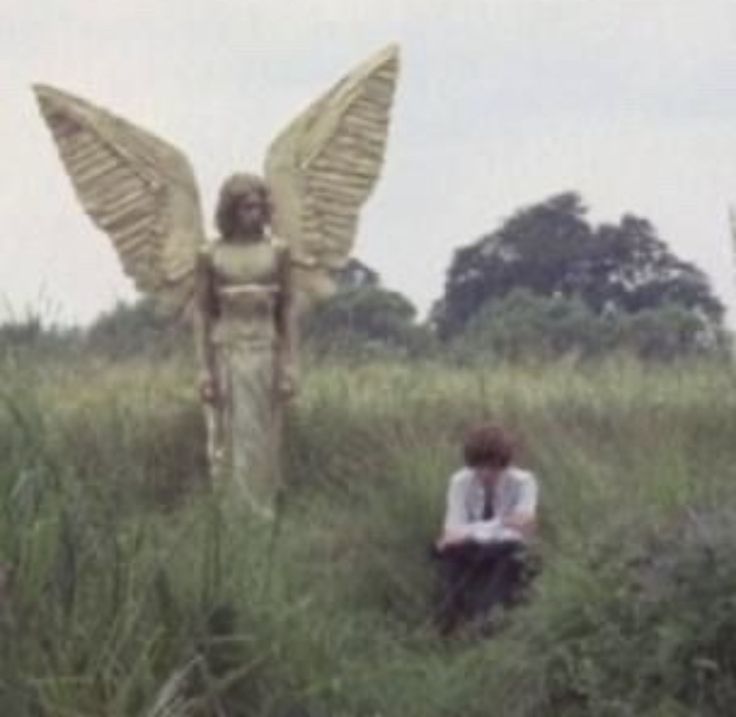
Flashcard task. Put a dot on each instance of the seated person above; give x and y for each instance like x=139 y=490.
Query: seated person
x=491 y=514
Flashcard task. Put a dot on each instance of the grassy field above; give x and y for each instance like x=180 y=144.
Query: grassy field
x=139 y=590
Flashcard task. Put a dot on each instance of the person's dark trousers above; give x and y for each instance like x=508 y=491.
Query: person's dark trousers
x=475 y=577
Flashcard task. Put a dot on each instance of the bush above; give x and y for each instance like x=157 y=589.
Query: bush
x=524 y=326
x=29 y=338
x=139 y=329
x=369 y=322
x=644 y=627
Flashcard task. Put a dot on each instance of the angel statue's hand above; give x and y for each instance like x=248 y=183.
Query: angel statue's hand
x=287 y=383
x=207 y=388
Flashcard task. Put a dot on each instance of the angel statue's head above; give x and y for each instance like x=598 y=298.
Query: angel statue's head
x=244 y=208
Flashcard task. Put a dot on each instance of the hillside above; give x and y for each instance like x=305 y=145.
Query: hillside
x=138 y=590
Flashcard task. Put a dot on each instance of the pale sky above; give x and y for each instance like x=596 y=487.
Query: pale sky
x=501 y=103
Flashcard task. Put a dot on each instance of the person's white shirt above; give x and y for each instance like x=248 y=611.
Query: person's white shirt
x=514 y=496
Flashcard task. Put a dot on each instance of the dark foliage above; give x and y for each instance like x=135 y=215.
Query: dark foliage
x=552 y=250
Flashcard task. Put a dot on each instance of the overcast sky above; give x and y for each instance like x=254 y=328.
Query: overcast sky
x=501 y=103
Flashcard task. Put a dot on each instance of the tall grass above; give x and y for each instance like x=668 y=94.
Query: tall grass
x=138 y=589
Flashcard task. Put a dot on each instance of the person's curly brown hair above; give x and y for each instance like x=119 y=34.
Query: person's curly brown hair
x=488 y=445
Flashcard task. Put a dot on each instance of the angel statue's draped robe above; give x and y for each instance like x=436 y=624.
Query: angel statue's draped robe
x=244 y=282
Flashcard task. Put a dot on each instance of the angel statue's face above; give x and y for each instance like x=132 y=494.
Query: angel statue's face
x=251 y=212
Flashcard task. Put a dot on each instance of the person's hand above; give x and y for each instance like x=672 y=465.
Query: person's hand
x=450 y=537
x=525 y=524
x=207 y=389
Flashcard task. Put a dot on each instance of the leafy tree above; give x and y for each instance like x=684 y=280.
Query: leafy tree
x=367 y=319
x=138 y=329
x=364 y=318
x=551 y=249
x=628 y=268
x=668 y=332
x=525 y=326
x=357 y=275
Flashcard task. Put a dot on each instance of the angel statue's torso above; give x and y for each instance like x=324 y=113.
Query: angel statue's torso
x=245 y=283
x=141 y=192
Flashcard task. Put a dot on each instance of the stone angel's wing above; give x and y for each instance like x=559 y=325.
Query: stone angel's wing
x=324 y=165
x=137 y=188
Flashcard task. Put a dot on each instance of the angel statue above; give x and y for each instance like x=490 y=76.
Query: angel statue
x=281 y=240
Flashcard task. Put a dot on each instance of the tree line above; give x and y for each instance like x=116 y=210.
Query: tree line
x=545 y=283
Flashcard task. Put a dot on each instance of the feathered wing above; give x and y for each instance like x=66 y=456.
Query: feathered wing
x=137 y=188
x=324 y=165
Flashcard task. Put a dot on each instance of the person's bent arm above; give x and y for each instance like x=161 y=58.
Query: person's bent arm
x=454 y=530
x=524 y=516
x=524 y=523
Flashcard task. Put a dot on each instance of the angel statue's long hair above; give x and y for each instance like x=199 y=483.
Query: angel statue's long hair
x=234 y=188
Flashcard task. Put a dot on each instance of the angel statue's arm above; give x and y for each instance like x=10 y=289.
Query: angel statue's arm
x=205 y=311
x=286 y=329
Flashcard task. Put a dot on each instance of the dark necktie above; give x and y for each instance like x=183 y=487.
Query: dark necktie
x=488 y=510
